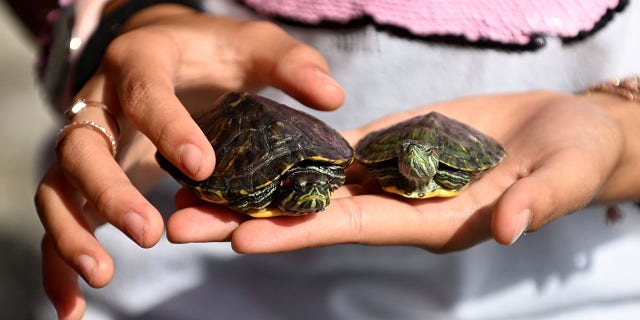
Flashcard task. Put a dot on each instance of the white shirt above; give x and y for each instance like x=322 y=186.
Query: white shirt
x=577 y=267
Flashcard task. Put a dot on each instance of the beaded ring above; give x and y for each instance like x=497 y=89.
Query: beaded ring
x=90 y=125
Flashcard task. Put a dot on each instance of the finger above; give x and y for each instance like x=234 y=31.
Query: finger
x=87 y=163
x=296 y=68
x=61 y=283
x=144 y=83
x=358 y=174
x=185 y=198
x=368 y=219
x=542 y=195
x=198 y=221
x=203 y=224
x=352 y=136
x=349 y=190
x=69 y=233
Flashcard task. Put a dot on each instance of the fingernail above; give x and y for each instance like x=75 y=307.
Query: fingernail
x=134 y=226
x=87 y=266
x=524 y=218
x=191 y=158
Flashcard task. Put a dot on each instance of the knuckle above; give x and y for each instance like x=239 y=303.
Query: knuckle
x=65 y=243
x=119 y=51
x=61 y=241
x=126 y=61
x=136 y=107
x=166 y=134
x=136 y=89
x=72 y=151
x=42 y=194
x=166 y=131
x=105 y=198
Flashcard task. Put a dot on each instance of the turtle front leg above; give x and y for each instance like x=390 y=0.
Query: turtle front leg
x=453 y=180
x=255 y=201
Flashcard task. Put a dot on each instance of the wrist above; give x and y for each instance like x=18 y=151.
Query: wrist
x=622 y=183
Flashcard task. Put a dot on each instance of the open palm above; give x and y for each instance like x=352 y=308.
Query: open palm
x=560 y=150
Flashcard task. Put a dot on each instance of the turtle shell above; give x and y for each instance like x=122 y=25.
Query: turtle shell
x=256 y=140
x=458 y=145
x=462 y=154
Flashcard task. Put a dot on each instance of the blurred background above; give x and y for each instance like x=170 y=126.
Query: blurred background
x=26 y=127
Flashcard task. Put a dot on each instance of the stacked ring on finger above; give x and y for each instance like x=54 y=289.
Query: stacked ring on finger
x=78 y=107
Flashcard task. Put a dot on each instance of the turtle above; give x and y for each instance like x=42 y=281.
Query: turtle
x=271 y=159
x=428 y=156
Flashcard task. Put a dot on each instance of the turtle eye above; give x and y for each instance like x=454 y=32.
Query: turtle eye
x=297 y=184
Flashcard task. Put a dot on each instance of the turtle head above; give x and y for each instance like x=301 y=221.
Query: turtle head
x=417 y=161
x=308 y=189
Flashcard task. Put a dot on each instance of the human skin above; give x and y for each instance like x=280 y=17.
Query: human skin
x=563 y=153
x=194 y=53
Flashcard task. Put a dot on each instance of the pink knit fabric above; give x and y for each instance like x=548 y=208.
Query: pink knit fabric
x=513 y=21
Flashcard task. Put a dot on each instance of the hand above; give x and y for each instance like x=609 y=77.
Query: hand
x=167 y=52
x=561 y=151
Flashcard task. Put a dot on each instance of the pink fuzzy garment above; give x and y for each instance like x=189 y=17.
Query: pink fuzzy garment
x=512 y=21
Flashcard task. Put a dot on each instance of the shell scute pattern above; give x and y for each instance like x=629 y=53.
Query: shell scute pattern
x=256 y=141
x=458 y=148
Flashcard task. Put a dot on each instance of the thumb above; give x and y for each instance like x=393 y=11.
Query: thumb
x=543 y=195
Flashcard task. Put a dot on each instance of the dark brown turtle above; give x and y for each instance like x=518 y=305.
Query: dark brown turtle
x=270 y=159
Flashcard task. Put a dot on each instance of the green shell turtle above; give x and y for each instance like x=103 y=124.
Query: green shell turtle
x=428 y=156
x=270 y=159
